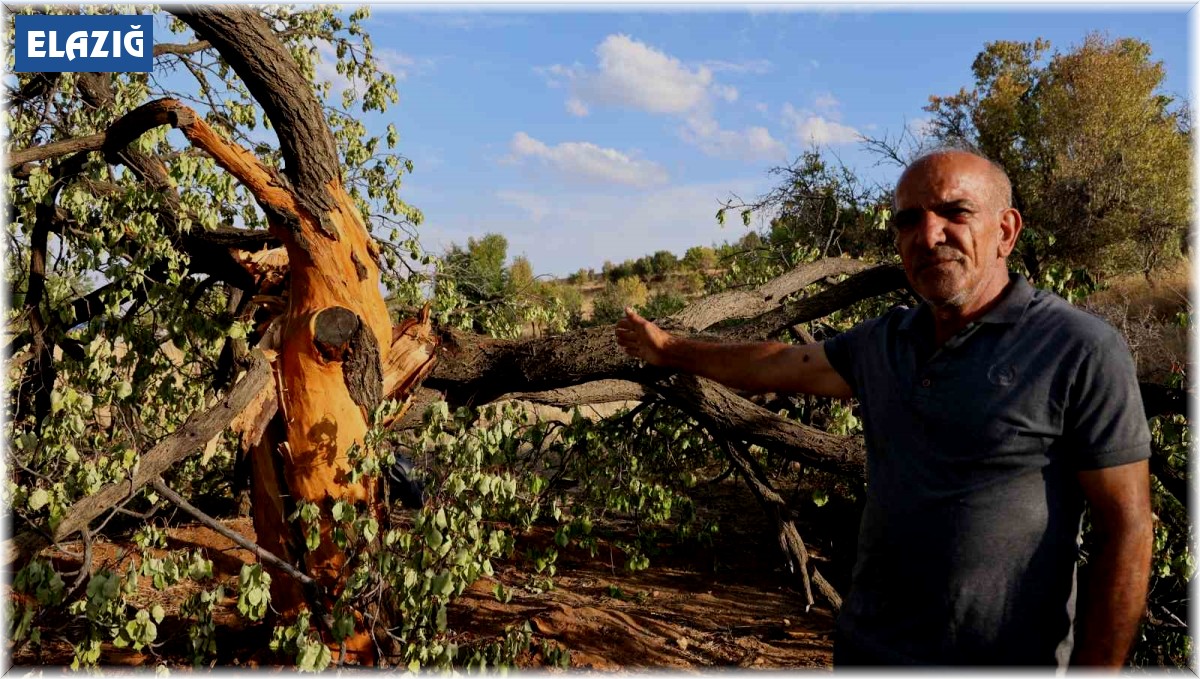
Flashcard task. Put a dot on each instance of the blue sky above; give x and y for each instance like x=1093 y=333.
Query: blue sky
x=585 y=136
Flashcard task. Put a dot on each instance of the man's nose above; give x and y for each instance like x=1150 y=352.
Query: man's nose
x=931 y=232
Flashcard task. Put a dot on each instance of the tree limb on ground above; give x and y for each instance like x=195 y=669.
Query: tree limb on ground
x=790 y=541
x=600 y=391
x=729 y=416
x=175 y=498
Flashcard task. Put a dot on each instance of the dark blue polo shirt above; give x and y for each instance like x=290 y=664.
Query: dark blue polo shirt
x=969 y=537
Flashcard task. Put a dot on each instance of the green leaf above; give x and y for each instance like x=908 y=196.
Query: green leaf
x=434 y=537
x=38 y=499
x=343 y=626
x=820 y=497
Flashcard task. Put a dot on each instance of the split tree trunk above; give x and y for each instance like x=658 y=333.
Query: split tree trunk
x=335 y=333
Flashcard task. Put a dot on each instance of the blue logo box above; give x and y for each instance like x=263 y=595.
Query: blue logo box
x=74 y=43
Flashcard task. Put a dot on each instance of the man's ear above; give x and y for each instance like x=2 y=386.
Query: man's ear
x=1010 y=229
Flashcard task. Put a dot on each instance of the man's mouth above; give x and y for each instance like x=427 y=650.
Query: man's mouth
x=929 y=264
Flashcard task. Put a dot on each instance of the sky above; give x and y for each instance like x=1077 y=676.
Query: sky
x=586 y=135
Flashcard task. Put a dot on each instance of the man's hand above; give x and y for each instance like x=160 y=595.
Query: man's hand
x=750 y=366
x=642 y=339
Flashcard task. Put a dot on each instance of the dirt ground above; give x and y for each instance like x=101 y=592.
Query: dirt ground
x=729 y=604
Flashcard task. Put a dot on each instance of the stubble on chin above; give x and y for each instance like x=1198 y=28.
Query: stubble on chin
x=944 y=291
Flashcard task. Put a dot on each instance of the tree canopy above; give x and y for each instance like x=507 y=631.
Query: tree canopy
x=1098 y=154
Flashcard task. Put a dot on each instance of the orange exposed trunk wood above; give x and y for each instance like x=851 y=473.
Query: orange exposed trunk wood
x=337 y=358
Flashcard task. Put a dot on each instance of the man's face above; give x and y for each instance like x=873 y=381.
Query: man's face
x=950 y=228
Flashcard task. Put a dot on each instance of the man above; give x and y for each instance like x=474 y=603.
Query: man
x=991 y=413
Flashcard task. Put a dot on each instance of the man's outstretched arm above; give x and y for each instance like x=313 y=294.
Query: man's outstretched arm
x=754 y=366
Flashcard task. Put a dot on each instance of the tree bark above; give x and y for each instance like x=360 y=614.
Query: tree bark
x=863 y=285
x=736 y=304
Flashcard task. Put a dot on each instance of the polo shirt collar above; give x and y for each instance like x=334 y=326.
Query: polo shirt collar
x=1013 y=304
x=1008 y=311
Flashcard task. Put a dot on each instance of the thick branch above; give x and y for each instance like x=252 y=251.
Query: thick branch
x=732 y=417
x=253 y=50
x=477 y=370
x=600 y=391
x=863 y=285
x=734 y=304
x=54 y=150
x=181 y=50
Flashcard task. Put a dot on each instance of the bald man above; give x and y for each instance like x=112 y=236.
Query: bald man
x=992 y=412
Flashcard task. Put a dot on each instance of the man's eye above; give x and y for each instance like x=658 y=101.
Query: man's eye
x=904 y=221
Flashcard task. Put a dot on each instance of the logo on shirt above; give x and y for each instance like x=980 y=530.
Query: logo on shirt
x=75 y=43
x=1002 y=374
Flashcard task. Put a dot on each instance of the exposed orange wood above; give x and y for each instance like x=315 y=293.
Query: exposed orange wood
x=271 y=528
x=331 y=263
x=242 y=164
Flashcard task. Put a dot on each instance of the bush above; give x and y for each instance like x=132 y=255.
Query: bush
x=610 y=304
x=661 y=305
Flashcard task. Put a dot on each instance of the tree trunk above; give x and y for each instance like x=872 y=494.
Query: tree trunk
x=335 y=332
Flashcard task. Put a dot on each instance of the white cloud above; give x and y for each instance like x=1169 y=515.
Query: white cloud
x=576 y=107
x=589 y=161
x=635 y=75
x=726 y=92
x=400 y=64
x=751 y=143
x=558 y=75
x=632 y=74
x=762 y=107
x=818 y=130
x=810 y=128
